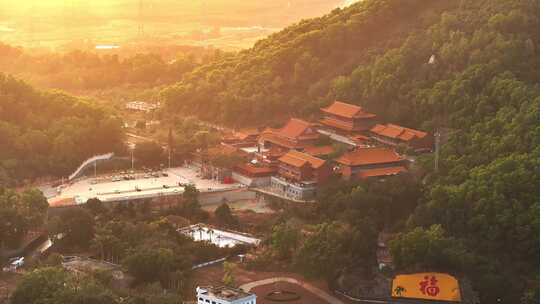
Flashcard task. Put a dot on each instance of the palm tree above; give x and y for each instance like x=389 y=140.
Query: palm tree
x=399 y=290
x=200 y=229
x=210 y=233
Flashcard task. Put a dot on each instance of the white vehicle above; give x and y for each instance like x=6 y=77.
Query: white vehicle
x=14 y=264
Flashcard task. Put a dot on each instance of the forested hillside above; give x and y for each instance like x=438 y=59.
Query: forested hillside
x=291 y=72
x=49 y=133
x=470 y=68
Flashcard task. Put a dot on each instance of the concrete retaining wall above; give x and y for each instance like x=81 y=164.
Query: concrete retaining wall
x=212 y=198
x=251 y=182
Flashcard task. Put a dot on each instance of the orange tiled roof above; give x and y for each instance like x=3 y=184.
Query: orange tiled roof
x=299 y=159
x=347 y=110
x=359 y=138
x=291 y=132
x=245 y=133
x=294 y=128
x=276 y=152
x=397 y=132
x=319 y=150
x=281 y=141
x=336 y=124
x=369 y=156
x=256 y=169
x=379 y=172
x=293 y=161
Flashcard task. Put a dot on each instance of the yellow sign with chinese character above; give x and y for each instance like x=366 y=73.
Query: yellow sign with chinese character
x=428 y=285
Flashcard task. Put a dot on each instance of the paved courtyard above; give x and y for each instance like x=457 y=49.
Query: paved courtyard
x=113 y=188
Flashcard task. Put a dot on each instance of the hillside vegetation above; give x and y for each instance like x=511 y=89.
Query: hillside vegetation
x=291 y=72
x=49 y=133
x=479 y=215
x=89 y=70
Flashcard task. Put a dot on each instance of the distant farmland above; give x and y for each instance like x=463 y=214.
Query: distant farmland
x=226 y=24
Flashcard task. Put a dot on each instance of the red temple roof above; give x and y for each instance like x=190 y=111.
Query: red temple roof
x=293 y=161
x=379 y=172
x=336 y=124
x=319 y=150
x=299 y=159
x=347 y=110
x=369 y=156
x=359 y=138
x=293 y=131
x=279 y=140
x=246 y=133
x=295 y=128
x=255 y=170
x=397 y=132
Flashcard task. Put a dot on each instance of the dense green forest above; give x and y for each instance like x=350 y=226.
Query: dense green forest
x=84 y=70
x=49 y=133
x=469 y=68
x=146 y=243
x=19 y=213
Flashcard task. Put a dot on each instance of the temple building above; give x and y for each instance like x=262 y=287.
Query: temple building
x=365 y=163
x=299 y=174
x=394 y=135
x=344 y=117
x=216 y=162
x=323 y=152
x=296 y=134
x=253 y=174
x=244 y=137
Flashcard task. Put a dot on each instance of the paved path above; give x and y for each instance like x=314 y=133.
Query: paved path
x=318 y=292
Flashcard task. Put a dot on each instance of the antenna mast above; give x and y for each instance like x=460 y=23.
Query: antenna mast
x=437 y=149
x=141 y=21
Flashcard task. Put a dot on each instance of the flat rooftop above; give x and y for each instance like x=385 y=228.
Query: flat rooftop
x=220 y=238
x=224 y=293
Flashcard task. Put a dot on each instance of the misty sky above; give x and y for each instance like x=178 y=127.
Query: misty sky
x=60 y=21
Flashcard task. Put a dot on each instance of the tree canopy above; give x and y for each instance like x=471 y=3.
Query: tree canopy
x=468 y=69
x=50 y=133
x=20 y=212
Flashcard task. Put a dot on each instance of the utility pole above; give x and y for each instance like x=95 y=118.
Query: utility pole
x=95 y=168
x=171 y=145
x=169 y=158
x=132 y=149
x=437 y=149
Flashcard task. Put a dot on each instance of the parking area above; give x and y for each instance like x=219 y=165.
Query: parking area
x=128 y=186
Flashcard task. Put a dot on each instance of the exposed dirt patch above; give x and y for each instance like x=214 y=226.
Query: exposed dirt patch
x=213 y=275
x=8 y=283
x=306 y=297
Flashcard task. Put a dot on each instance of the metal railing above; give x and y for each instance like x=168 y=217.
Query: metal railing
x=90 y=161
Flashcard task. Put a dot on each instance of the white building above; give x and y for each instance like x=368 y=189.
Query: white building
x=224 y=295
x=142 y=106
x=220 y=238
